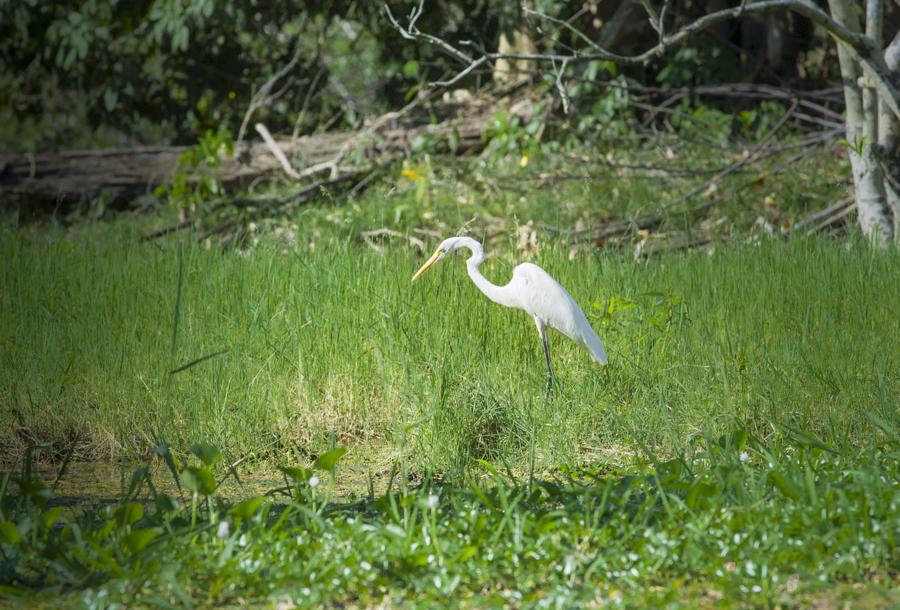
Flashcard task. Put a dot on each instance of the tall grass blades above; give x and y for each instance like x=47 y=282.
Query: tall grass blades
x=279 y=350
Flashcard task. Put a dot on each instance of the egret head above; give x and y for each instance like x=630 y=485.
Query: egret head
x=447 y=246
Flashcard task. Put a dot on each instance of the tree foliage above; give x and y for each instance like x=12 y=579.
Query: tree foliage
x=89 y=72
x=168 y=70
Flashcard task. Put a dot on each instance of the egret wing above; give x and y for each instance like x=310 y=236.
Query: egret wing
x=544 y=298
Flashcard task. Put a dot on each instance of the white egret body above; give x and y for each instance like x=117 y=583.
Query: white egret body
x=532 y=290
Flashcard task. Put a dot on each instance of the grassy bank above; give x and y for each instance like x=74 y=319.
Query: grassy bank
x=740 y=450
x=307 y=348
x=790 y=523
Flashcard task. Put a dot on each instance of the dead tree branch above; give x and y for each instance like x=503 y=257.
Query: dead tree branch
x=276 y=151
x=262 y=97
x=861 y=47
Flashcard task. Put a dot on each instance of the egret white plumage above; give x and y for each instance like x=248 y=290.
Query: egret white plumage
x=532 y=290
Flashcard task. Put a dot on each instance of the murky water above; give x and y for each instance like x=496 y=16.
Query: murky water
x=91 y=483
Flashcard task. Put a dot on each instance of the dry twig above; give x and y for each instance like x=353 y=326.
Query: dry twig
x=276 y=151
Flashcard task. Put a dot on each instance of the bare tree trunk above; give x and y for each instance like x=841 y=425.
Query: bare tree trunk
x=872 y=212
x=889 y=139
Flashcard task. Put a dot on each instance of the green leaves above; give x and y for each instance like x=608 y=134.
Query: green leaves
x=180 y=38
x=329 y=459
x=138 y=539
x=246 y=509
x=166 y=504
x=9 y=533
x=302 y=482
x=51 y=516
x=199 y=480
x=129 y=514
x=207 y=453
x=411 y=69
x=296 y=475
x=710 y=517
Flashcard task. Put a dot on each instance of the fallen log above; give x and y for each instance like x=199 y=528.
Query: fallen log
x=125 y=173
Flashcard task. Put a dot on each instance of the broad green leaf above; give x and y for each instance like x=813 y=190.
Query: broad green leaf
x=297 y=475
x=467 y=553
x=329 y=459
x=736 y=440
x=411 y=69
x=104 y=532
x=166 y=503
x=199 y=480
x=670 y=470
x=786 y=485
x=247 y=508
x=139 y=538
x=207 y=453
x=700 y=494
x=51 y=516
x=9 y=533
x=130 y=513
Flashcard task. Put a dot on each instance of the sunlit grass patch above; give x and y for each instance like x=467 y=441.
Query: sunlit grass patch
x=281 y=349
x=735 y=522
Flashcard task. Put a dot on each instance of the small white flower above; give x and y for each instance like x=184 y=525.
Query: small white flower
x=432 y=501
x=243 y=540
x=744 y=456
x=314 y=481
x=365 y=565
x=224 y=529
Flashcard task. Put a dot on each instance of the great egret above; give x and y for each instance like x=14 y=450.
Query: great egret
x=532 y=290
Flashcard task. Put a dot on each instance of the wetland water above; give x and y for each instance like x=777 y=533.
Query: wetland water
x=92 y=483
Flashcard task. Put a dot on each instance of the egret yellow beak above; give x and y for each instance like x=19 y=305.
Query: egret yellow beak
x=434 y=258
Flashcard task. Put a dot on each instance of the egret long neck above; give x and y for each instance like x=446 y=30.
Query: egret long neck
x=498 y=294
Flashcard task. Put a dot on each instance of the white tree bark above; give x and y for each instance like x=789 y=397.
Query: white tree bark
x=861 y=118
x=889 y=138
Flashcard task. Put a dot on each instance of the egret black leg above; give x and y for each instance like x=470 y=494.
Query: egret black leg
x=547 y=356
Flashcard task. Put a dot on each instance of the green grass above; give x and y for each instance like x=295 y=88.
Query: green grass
x=337 y=346
x=740 y=450
x=738 y=523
